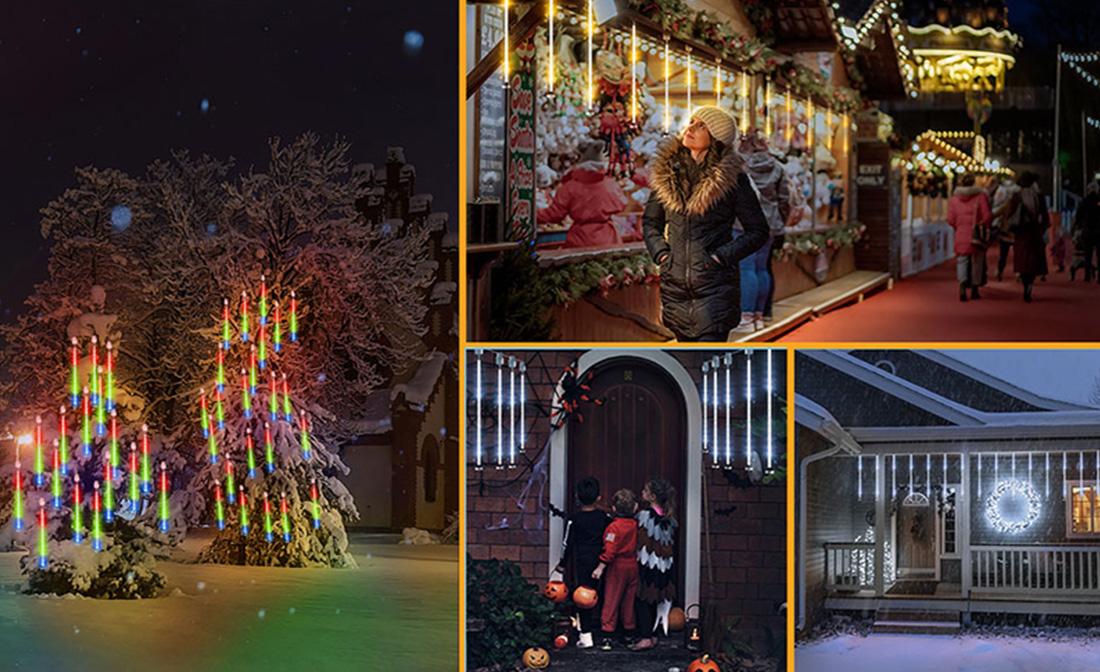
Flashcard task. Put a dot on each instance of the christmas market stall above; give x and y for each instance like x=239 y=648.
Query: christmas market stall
x=561 y=134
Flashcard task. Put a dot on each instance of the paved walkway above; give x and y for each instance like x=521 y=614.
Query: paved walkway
x=926 y=308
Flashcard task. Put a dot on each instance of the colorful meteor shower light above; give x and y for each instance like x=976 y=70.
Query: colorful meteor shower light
x=63 y=441
x=39 y=458
x=293 y=318
x=86 y=429
x=230 y=486
x=246 y=400
x=250 y=452
x=78 y=510
x=263 y=300
x=273 y=399
x=212 y=442
x=204 y=418
x=261 y=352
x=221 y=371
x=110 y=379
x=97 y=527
x=244 y=316
x=114 y=444
x=95 y=371
x=252 y=378
x=74 y=377
x=108 y=490
x=313 y=498
x=285 y=517
x=43 y=542
x=268 y=528
x=304 y=439
x=100 y=412
x=135 y=479
x=277 y=341
x=219 y=507
x=286 y=401
x=55 y=484
x=17 y=498
x=163 y=497
x=146 y=471
x=269 y=449
x=244 y=513
x=225 y=324
x=219 y=410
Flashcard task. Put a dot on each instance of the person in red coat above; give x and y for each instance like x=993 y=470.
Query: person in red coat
x=968 y=210
x=590 y=197
x=619 y=558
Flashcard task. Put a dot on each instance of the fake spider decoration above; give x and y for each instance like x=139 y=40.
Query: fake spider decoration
x=574 y=392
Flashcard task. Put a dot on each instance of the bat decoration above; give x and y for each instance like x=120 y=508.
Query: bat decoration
x=574 y=392
x=727 y=511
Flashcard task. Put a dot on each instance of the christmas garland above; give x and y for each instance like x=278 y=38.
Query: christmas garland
x=816 y=242
x=927 y=179
x=566 y=284
x=754 y=53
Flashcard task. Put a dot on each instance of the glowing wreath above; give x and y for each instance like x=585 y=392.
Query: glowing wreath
x=1012 y=506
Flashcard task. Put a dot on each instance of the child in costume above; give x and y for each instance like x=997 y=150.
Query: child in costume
x=619 y=559
x=581 y=549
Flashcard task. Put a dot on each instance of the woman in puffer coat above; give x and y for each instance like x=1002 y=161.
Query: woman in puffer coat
x=699 y=189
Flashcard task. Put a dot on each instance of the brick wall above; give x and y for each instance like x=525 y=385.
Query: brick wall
x=743 y=570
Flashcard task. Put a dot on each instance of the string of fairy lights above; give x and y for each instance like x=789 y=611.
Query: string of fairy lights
x=1074 y=61
x=852 y=36
x=1010 y=485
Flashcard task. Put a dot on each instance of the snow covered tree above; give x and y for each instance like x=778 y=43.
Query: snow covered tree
x=147 y=262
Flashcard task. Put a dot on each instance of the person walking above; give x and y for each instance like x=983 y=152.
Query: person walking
x=1029 y=257
x=1086 y=229
x=969 y=215
x=757 y=280
x=1003 y=222
x=699 y=189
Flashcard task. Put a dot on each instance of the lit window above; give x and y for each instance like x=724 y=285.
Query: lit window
x=1084 y=512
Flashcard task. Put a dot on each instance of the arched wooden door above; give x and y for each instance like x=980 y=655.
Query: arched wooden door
x=640 y=431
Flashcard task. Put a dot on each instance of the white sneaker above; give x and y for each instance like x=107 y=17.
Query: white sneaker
x=759 y=324
x=585 y=641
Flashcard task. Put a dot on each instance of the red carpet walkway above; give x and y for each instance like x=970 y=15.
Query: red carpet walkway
x=926 y=308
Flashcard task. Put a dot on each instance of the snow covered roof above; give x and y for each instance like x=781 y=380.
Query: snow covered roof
x=814 y=416
x=450 y=240
x=437 y=221
x=395 y=155
x=420 y=203
x=962 y=422
x=419 y=389
x=443 y=292
x=377 y=417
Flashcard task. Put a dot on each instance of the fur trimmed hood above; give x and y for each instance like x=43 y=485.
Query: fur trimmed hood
x=671 y=184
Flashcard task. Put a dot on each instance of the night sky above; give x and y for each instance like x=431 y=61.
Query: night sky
x=120 y=84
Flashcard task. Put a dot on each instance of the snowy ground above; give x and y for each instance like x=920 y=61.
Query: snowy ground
x=930 y=653
x=397 y=610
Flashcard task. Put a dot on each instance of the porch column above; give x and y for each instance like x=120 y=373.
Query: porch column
x=880 y=527
x=962 y=524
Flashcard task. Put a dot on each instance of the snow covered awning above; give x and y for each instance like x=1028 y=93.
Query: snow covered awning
x=419 y=389
x=443 y=292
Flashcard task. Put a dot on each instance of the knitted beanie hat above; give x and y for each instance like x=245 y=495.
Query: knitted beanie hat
x=718 y=122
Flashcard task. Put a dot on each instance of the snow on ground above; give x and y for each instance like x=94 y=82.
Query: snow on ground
x=931 y=653
x=397 y=610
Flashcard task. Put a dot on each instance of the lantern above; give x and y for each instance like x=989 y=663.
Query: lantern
x=693 y=630
x=585 y=597
x=704 y=664
x=556 y=591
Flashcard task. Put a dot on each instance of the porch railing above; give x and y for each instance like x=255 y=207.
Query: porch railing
x=849 y=567
x=1039 y=569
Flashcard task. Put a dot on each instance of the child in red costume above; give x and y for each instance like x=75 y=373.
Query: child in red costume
x=619 y=558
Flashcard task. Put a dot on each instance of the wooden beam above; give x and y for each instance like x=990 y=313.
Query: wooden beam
x=493 y=60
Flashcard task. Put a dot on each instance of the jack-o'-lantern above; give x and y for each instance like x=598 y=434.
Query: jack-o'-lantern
x=676 y=619
x=704 y=664
x=536 y=658
x=561 y=641
x=585 y=597
x=556 y=591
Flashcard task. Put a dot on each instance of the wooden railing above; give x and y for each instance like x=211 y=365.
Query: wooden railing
x=1038 y=569
x=849 y=567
